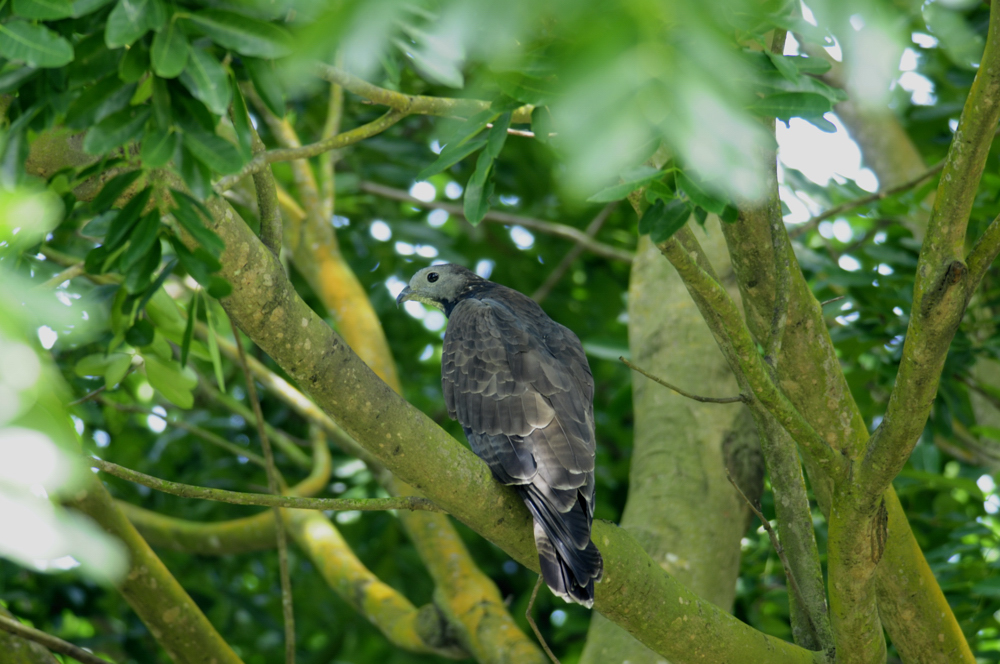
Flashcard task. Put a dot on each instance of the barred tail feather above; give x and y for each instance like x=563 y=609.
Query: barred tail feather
x=568 y=570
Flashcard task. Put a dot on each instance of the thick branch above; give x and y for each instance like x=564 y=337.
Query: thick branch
x=750 y=362
x=414 y=104
x=943 y=284
x=540 y=225
x=418 y=451
x=153 y=593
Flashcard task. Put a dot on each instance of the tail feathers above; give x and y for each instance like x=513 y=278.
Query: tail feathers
x=570 y=562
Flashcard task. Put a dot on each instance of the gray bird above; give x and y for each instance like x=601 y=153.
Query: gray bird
x=520 y=386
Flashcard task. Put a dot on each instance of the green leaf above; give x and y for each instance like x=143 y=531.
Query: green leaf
x=189 y=328
x=662 y=220
x=498 y=135
x=541 y=123
x=195 y=174
x=213 y=346
x=106 y=96
x=784 y=65
x=131 y=19
x=450 y=156
x=117 y=368
x=84 y=7
x=787 y=105
x=171 y=380
x=170 y=51
x=199 y=263
x=632 y=180
x=35 y=45
x=158 y=147
x=138 y=276
x=135 y=63
x=212 y=150
x=112 y=190
x=152 y=290
x=126 y=219
x=205 y=78
x=12 y=80
x=146 y=233
x=218 y=287
x=141 y=333
x=92 y=365
x=245 y=35
x=265 y=81
x=45 y=10
x=805 y=65
x=478 y=190
x=186 y=213
x=525 y=88
x=115 y=130
x=161 y=102
x=241 y=121
x=699 y=195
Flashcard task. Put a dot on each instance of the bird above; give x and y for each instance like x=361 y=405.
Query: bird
x=519 y=384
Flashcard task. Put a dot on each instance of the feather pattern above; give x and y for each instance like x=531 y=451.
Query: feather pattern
x=520 y=385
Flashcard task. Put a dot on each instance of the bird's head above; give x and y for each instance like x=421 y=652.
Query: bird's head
x=439 y=285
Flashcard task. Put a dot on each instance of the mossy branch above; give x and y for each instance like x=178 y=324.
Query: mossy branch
x=751 y=363
x=414 y=104
x=943 y=282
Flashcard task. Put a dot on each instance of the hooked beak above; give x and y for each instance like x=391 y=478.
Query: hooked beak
x=404 y=295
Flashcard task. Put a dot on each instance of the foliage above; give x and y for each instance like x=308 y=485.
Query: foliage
x=158 y=93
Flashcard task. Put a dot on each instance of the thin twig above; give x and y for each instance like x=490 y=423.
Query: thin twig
x=69 y=273
x=831 y=300
x=411 y=503
x=574 y=253
x=265 y=159
x=534 y=627
x=194 y=430
x=273 y=484
x=798 y=231
x=414 y=104
x=777 y=547
x=53 y=643
x=87 y=397
x=695 y=397
x=540 y=225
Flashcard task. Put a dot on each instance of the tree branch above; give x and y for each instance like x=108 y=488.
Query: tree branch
x=984 y=252
x=540 y=225
x=571 y=255
x=53 y=643
x=750 y=362
x=837 y=210
x=154 y=594
x=264 y=499
x=274 y=484
x=695 y=397
x=416 y=449
x=264 y=159
x=943 y=282
x=414 y=104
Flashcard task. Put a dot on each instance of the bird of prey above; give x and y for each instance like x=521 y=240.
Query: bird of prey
x=520 y=386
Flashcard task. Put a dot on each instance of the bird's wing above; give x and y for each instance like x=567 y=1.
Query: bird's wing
x=520 y=386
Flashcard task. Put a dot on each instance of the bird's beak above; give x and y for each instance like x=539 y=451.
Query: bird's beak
x=404 y=295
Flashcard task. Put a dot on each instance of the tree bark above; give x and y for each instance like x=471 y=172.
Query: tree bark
x=681 y=508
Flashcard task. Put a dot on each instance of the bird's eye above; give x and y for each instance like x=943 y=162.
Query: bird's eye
x=432 y=277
